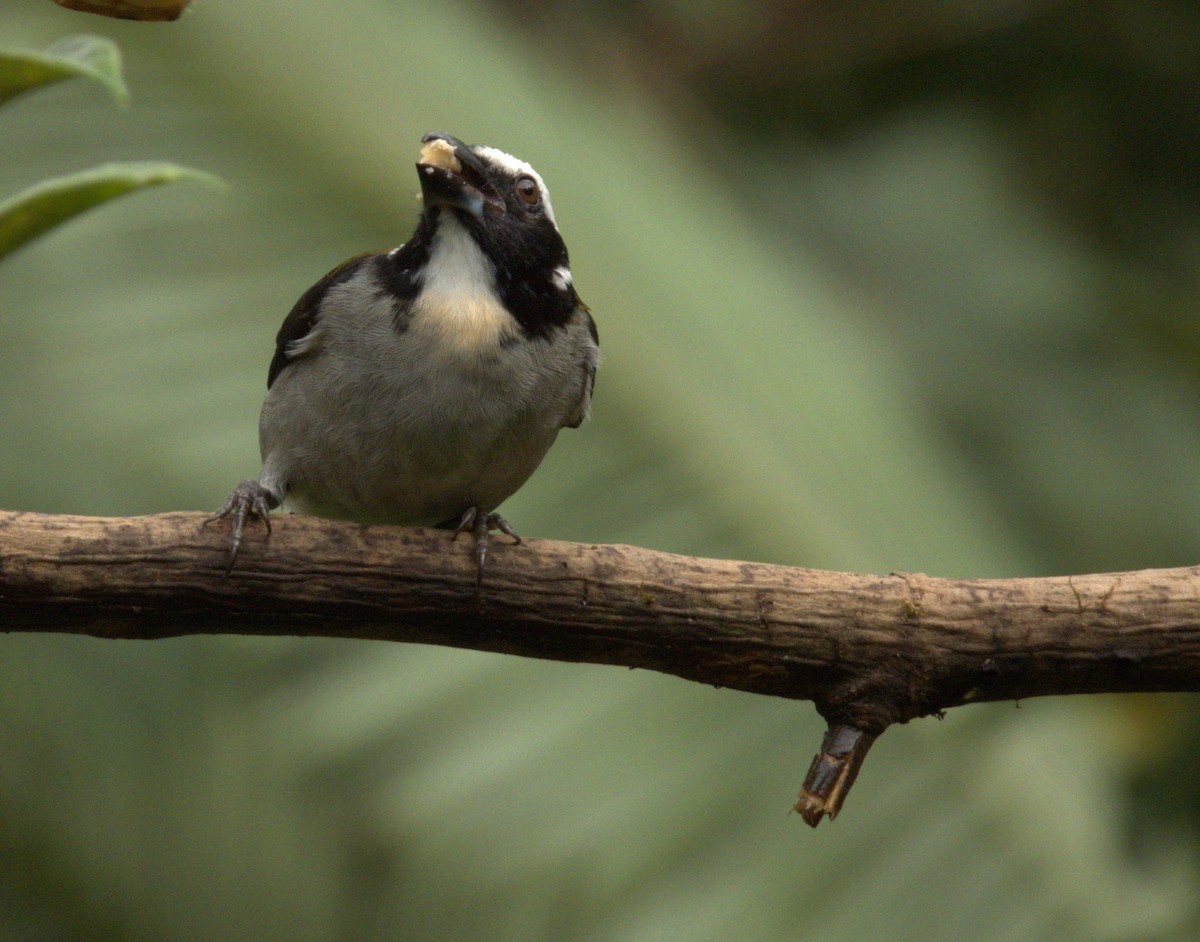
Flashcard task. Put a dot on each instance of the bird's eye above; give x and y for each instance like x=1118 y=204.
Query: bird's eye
x=527 y=189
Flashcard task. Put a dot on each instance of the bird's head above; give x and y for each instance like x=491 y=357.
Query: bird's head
x=504 y=206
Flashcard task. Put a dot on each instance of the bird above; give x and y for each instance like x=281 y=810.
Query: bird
x=423 y=385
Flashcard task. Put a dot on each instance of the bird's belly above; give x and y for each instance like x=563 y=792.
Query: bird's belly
x=416 y=445
x=416 y=483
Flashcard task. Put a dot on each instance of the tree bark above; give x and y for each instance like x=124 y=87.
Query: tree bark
x=146 y=10
x=868 y=650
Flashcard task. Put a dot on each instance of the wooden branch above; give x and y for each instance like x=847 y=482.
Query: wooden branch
x=147 y=10
x=869 y=650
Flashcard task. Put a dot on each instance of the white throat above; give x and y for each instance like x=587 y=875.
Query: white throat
x=458 y=299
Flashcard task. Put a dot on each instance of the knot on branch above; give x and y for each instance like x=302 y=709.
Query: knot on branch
x=857 y=712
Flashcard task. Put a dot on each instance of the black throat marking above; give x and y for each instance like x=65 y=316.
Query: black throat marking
x=526 y=256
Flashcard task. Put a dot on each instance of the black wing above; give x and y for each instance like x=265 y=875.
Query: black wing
x=589 y=380
x=303 y=317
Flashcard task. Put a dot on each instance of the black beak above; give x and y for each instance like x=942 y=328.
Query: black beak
x=461 y=183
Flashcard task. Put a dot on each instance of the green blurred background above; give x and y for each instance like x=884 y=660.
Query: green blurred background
x=881 y=286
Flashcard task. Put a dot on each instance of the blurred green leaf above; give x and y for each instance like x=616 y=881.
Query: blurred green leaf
x=31 y=212
x=91 y=57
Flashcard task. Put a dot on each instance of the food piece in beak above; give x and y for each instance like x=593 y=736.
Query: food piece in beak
x=440 y=153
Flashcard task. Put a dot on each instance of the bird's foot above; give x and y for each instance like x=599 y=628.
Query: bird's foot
x=249 y=499
x=475 y=521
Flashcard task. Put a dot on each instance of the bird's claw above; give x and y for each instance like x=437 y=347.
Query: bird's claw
x=477 y=522
x=249 y=499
